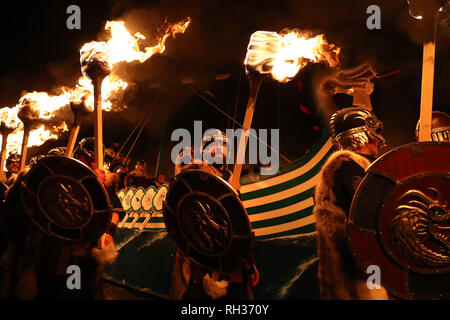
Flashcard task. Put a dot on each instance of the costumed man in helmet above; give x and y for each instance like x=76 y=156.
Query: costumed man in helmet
x=12 y=167
x=138 y=177
x=85 y=153
x=356 y=134
x=35 y=265
x=189 y=280
x=117 y=165
x=440 y=127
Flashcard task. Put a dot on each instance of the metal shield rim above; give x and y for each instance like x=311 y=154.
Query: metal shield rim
x=89 y=174
x=352 y=227
x=169 y=211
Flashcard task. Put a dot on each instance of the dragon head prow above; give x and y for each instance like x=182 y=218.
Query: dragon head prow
x=355 y=82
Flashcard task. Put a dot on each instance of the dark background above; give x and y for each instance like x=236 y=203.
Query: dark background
x=40 y=53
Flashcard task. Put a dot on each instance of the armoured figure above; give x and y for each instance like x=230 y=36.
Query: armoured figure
x=356 y=133
x=35 y=263
x=189 y=280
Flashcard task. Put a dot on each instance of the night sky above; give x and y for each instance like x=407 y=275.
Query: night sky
x=40 y=53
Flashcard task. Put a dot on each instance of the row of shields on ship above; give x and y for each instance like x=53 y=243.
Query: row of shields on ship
x=141 y=206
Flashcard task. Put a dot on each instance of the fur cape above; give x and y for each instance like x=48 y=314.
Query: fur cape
x=339 y=276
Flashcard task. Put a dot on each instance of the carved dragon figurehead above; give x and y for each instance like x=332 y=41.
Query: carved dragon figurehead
x=355 y=82
x=420 y=228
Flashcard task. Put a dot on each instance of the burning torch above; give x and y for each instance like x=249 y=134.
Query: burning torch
x=282 y=56
x=96 y=69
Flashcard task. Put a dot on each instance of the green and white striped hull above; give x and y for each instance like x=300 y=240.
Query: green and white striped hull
x=278 y=206
x=282 y=205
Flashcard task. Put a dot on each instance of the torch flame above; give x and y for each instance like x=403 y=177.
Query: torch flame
x=124 y=47
x=43 y=108
x=46 y=105
x=283 y=55
x=111 y=86
x=37 y=137
x=8 y=117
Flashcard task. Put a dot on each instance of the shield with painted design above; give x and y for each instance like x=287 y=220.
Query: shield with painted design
x=158 y=199
x=400 y=220
x=147 y=200
x=207 y=221
x=64 y=198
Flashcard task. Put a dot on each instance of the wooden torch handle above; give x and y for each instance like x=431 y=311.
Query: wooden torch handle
x=98 y=123
x=23 y=156
x=3 y=157
x=72 y=139
x=255 y=84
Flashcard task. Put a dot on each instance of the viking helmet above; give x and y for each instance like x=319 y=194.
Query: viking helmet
x=86 y=148
x=110 y=154
x=440 y=127
x=13 y=157
x=353 y=128
x=213 y=136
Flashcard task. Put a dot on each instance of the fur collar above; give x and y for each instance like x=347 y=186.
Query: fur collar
x=339 y=276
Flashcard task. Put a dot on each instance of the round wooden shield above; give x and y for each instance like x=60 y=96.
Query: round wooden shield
x=207 y=221
x=64 y=198
x=400 y=220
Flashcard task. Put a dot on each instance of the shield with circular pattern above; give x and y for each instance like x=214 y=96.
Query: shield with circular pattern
x=64 y=198
x=400 y=220
x=207 y=221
